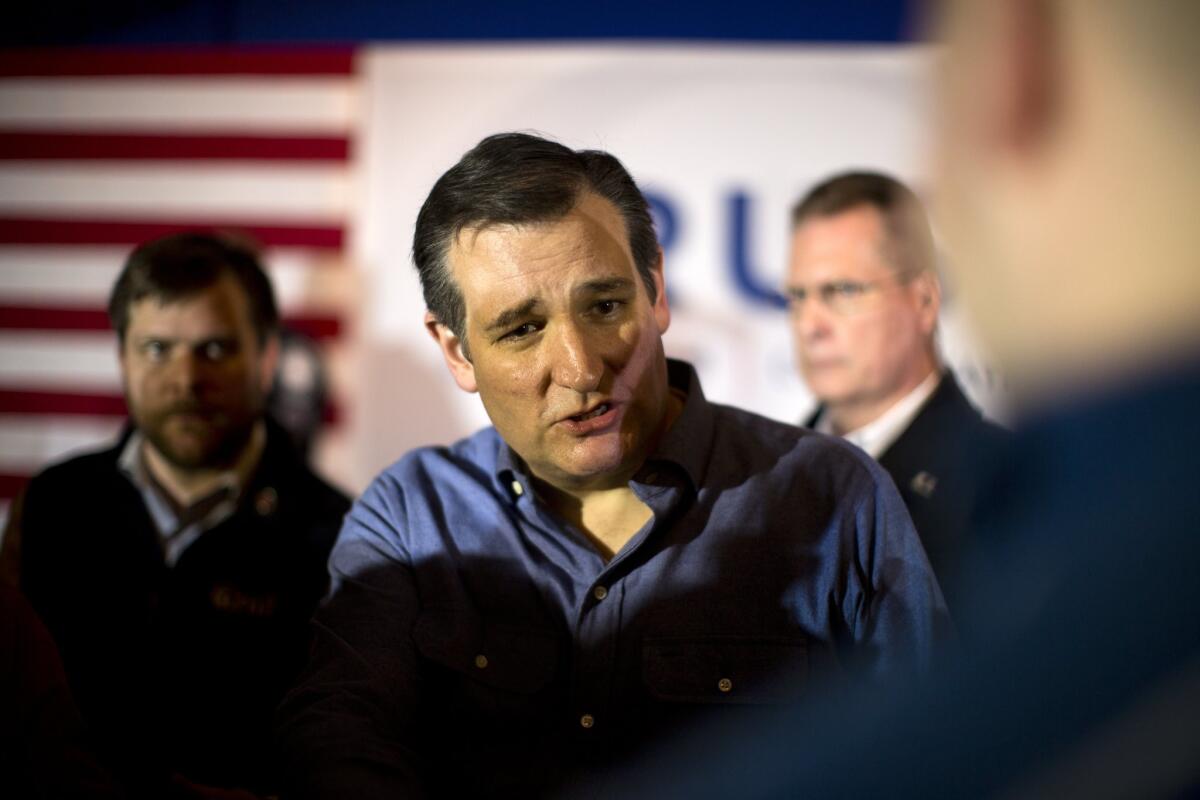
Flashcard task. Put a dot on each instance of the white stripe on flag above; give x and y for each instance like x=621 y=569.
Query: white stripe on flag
x=192 y=105
x=77 y=362
x=305 y=281
x=147 y=192
x=27 y=442
x=53 y=274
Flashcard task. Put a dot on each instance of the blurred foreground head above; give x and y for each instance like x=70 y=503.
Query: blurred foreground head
x=1069 y=179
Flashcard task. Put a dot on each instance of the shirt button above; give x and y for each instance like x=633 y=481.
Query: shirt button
x=599 y=593
x=587 y=720
x=481 y=661
x=517 y=488
x=725 y=685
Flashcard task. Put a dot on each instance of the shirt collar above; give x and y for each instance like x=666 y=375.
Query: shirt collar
x=882 y=432
x=686 y=444
x=689 y=439
x=511 y=475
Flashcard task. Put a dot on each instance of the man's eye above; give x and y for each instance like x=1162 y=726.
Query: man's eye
x=607 y=307
x=215 y=351
x=846 y=289
x=520 y=332
x=154 y=350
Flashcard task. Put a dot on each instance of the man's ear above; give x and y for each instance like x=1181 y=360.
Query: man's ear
x=1027 y=76
x=451 y=346
x=122 y=344
x=268 y=363
x=662 y=310
x=927 y=291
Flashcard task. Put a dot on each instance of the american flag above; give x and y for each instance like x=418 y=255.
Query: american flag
x=100 y=150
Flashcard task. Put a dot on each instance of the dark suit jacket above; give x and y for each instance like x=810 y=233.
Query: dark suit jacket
x=937 y=465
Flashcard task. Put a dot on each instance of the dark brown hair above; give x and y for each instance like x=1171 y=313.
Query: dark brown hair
x=515 y=178
x=910 y=246
x=184 y=264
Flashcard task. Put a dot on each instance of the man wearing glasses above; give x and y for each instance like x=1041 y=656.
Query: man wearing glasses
x=864 y=299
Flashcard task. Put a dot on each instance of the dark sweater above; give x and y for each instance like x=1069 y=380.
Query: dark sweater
x=179 y=669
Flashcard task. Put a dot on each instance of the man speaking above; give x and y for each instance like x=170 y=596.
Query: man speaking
x=615 y=556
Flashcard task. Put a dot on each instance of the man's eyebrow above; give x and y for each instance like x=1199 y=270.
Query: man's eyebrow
x=509 y=316
x=146 y=338
x=604 y=286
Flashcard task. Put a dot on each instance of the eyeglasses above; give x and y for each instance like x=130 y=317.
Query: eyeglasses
x=843 y=297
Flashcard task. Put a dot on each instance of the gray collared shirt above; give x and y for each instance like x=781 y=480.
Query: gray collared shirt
x=178 y=527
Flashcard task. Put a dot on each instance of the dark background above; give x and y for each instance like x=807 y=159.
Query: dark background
x=249 y=22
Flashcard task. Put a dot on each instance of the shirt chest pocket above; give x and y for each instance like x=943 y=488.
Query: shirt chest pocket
x=724 y=669
x=487 y=660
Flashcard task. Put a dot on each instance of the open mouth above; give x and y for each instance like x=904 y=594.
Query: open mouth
x=595 y=412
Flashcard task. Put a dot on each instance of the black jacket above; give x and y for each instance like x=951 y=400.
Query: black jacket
x=179 y=669
x=938 y=463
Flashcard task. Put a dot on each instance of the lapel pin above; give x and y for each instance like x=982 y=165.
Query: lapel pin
x=266 y=501
x=923 y=483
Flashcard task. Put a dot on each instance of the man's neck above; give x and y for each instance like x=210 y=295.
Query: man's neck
x=185 y=486
x=850 y=416
x=609 y=515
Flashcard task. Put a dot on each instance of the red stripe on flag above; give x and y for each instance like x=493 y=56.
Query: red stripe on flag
x=11 y=485
x=52 y=319
x=65 y=403
x=139 y=147
x=73 y=404
x=61 y=318
x=315 y=327
x=16 y=231
x=178 y=61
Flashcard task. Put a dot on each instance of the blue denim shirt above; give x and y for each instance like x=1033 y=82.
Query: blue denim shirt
x=473 y=640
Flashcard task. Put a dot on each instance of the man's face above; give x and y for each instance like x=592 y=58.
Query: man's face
x=566 y=349
x=862 y=331
x=195 y=376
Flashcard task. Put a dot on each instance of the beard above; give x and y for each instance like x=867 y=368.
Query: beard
x=193 y=436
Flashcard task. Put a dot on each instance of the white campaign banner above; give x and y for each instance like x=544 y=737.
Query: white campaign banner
x=723 y=139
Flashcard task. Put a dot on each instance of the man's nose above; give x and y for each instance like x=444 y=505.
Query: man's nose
x=186 y=372
x=811 y=317
x=576 y=361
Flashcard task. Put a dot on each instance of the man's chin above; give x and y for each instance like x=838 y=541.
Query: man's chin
x=191 y=456
x=830 y=392
x=197 y=450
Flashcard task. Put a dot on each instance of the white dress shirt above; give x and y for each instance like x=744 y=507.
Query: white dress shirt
x=878 y=435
